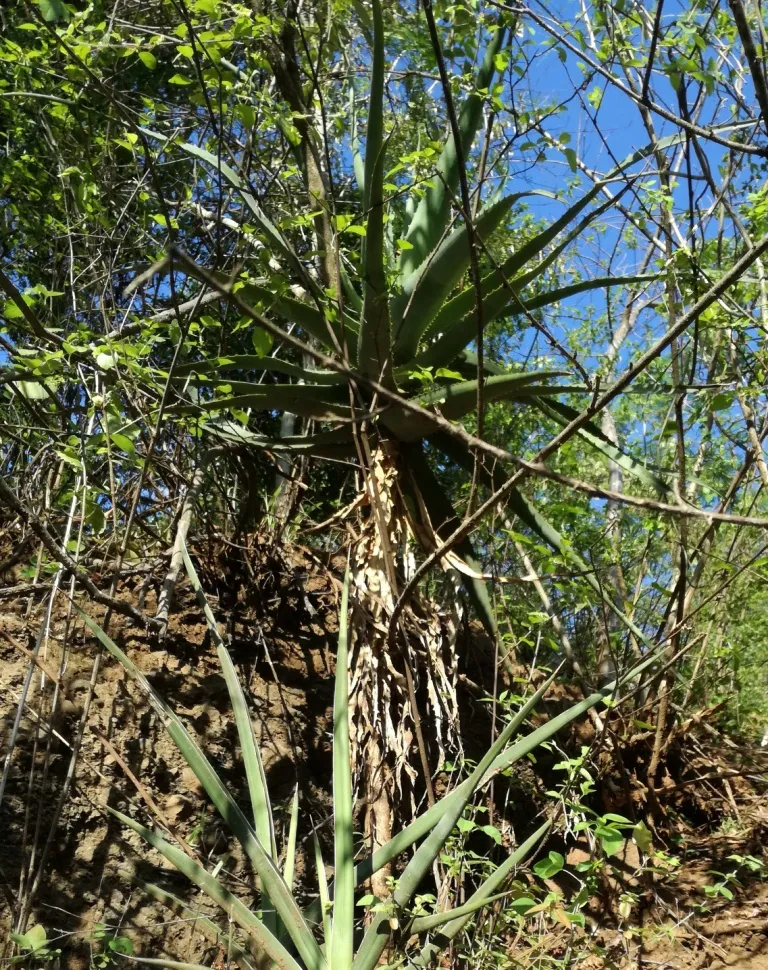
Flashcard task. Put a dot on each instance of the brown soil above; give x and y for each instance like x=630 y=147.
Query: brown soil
x=282 y=609
x=283 y=639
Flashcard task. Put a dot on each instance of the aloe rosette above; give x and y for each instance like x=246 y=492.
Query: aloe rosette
x=407 y=314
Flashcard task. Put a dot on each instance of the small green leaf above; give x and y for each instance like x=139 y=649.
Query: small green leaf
x=95 y=517
x=178 y=79
x=493 y=832
x=52 y=10
x=262 y=341
x=522 y=905
x=595 y=96
x=612 y=842
x=245 y=114
x=121 y=944
x=11 y=311
x=124 y=443
x=642 y=836
x=722 y=401
x=35 y=939
x=105 y=361
x=148 y=59
x=69 y=458
x=546 y=868
x=31 y=390
x=613 y=817
x=570 y=154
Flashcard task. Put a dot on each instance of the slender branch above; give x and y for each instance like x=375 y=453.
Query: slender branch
x=461 y=164
x=652 y=52
x=694 y=129
x=69 y=564
x=754 y=61
x=28 y=313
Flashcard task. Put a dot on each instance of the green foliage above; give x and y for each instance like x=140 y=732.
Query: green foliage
x=431 y=831
x=34 y=946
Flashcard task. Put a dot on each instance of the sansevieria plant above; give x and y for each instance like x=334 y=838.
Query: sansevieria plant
x=277 y=931
x=411 y=312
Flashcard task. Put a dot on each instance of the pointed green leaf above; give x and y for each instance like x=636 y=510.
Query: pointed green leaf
x=358 y=164
x=433 y=212
x=258 y=934
x=277 y=241
x=594 y=436
x=255 y=362
x=290 y=849
x=325 y=899
x=341 y=944
x=226 y=805
x=326 y=444
x=202 y=923
x=583 y=286
x=374 y=353
x=304 y=399
x=375 y=939
x=428 y=287
x=480 y=897
x=502 y=289
x=355 y=301
x=456 y=400
x=305 y=315
x=254 y=769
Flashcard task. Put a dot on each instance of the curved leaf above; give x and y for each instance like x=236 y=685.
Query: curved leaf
x=277 y=241
x=258 y=934
x=270 y=877
x=261 y=806
x=456 y=400
x=305 y=315
x=374 y=352
x=594 y=436
x=338 y=443
x=466 y=363
x=433 y=212
x=304 y=399
x=255 y=362
x=420 y=863
x=343 y=927
x=455 y=324
x=428 y=287
x=206 y=926
x=455 y=327
x=502 y=288
x=482 y=895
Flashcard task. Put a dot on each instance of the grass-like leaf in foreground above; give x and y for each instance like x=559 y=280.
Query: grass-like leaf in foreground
x=284 y=935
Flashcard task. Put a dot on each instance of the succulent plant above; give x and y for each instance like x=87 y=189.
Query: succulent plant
x=410 y=313
x=278 y=929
